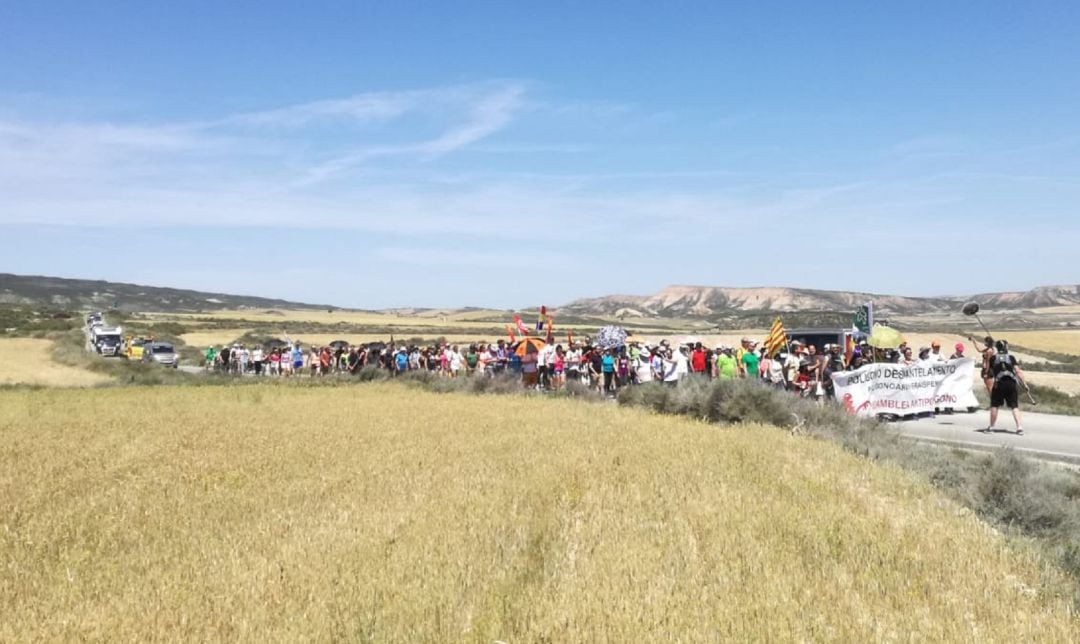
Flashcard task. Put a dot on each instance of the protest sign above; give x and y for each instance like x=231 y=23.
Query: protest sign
x=886 y=388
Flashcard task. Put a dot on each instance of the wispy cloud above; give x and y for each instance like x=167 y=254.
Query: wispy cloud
x=391 y=163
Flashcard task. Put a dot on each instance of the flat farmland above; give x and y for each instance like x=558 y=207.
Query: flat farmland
x=29 y=361
x=212 y=337
x=1065 y=341
x=433 y=320
x=382 y=512
x=1065 y=382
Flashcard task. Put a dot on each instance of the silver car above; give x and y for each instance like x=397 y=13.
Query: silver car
x=161 y=353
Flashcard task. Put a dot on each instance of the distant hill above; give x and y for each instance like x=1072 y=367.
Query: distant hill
x=709 y=301
x=58 y=292
x=672 y=302
x=1036 y=298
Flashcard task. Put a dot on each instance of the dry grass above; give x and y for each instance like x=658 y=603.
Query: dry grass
x=29 y=361
x=1065 y=341
x=358 y=338
x=434 y=320
x=212 y=337
x=285 y=316
x=1065 y=382
x=385 y=513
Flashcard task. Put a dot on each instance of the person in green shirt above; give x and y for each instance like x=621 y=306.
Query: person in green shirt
x=472 y=358
x=726 y=367
x=750 y=362
x=211 y=355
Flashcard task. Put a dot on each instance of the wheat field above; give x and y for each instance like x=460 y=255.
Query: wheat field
x=383 y=513
x=29 y=361
x=1066 y=382
x=1058 y=341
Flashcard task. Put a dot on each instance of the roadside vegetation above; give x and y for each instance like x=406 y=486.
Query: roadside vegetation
x=23 y=322
x=395 y=514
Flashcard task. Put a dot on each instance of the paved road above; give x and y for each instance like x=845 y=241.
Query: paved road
x=1046 y=436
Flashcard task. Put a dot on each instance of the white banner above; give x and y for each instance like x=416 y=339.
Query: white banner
x=886 y=388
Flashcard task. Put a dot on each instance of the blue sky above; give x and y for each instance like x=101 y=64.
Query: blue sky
x=508 y=154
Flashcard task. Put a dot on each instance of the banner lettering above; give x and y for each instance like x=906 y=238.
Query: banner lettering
x=886 y=388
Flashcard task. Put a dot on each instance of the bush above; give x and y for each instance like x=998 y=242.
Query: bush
x=501 y=384
x=372 y=372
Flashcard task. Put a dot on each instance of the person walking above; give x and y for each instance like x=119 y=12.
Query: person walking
x=772 y=371
x=607 y=367
x=751 y=363
x=726 y=367
x=257 y=358
x=1008 y=376
x=698 y=359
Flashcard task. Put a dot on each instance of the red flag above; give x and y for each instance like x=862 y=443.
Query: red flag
x=510 y=332
x=521 y=327
x=569 y=337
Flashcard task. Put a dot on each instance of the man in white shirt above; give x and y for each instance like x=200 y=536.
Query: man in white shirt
x=658 y=364
x=671 y=369
x=573 y=363
x=792 y=363
x=545 y=360
x=257 y=357
x=642 y=366
x=935 y=352
x=682 y=364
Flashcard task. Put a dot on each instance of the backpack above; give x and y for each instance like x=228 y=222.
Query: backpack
x=1004 y=366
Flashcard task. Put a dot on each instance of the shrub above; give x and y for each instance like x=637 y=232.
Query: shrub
x=372 y=372
x=501 y=384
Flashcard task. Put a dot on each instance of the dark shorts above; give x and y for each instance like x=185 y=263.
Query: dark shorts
x=1005 y=393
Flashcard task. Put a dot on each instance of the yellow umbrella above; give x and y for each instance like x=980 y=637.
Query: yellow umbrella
x=885 y=337
x=635 y=338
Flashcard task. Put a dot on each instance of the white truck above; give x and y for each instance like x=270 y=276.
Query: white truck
x=108 y=340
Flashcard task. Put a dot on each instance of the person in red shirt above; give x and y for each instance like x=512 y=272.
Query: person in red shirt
x=324 y=361
x=698 y=359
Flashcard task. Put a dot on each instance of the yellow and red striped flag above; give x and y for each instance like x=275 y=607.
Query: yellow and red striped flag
x=777 y=339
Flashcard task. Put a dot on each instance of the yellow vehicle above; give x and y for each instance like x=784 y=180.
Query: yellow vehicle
x=134 y=348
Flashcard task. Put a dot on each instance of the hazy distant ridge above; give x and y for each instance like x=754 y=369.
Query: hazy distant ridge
x=673 y=301
x=697 y=301
x=59 y=292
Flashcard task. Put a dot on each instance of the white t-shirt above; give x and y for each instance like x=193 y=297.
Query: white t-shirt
x=657 y=364
x=776 y=371
x=545 y=356
x=573 y=359
x=671 y=369
x=682 y=366
x=257 y=355
x=643 y=369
